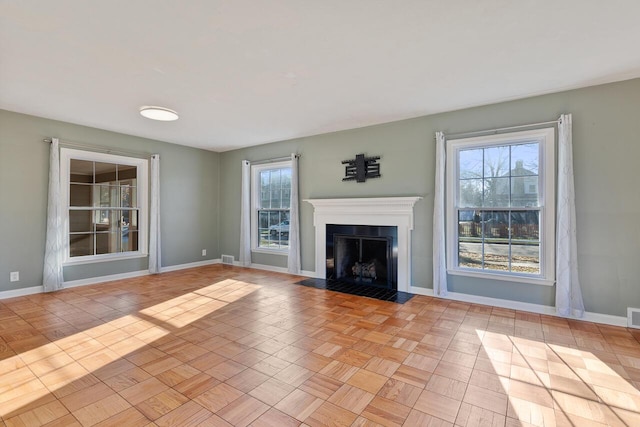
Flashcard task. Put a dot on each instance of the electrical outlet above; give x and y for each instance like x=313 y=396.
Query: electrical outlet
x=14 y=276
x=204 y=252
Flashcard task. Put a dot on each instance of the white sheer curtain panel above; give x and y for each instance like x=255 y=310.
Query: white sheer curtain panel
x=568 y=293
x=245 y=216
x=52 y=277
x=439 y=232
x=155 y=251
x=293 y=262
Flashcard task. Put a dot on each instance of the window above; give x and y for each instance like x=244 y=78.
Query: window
x=105 y=199
x=271 y=203
x=501 y=206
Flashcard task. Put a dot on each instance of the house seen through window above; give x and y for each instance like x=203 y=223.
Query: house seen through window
x=501 y=204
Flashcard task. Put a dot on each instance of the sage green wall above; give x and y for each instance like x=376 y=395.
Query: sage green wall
x=201 y=190
x=606 y=129
x=189 y=198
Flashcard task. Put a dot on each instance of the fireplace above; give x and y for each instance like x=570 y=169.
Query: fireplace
x=362 y=255
x=395 y=212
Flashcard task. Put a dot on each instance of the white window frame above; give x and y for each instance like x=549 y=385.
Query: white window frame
x=142 y=192
x=255 y=205
x=546 y=172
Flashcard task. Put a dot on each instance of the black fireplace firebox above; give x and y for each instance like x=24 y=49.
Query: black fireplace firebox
x=363 y=255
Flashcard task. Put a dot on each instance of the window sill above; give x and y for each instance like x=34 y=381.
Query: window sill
x=104 y=258
x=503 y=277
x=281 y=252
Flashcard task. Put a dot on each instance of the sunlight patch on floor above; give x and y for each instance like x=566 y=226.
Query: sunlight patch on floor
x=57 y=365
x=549 y=384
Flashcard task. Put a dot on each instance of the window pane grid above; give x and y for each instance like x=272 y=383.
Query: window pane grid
x=103 y=208
x=499 y=240
x=498 y=208
x=272 y=208
x=499 y=176
x=501 y=190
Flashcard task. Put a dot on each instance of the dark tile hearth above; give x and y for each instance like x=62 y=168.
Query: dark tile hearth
x=363 y=291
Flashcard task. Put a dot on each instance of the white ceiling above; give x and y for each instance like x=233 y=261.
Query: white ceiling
x=248 y=72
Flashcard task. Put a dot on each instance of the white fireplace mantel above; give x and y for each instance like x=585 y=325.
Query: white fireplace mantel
x=388 y=211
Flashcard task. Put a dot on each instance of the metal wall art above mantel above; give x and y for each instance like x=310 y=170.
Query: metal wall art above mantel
x=361 y=168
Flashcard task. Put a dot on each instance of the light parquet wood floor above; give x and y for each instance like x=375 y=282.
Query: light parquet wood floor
x=220 y=346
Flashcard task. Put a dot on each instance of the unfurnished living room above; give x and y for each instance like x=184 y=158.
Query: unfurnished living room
x=331 y=213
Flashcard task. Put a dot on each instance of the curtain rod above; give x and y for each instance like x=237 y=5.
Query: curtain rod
x=497 y=130
x=275 y=159
x=100 y=149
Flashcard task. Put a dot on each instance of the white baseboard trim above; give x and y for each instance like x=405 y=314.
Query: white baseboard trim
x=308 y=273
x=606 y=319
x=190 y=265
x=102 y=279
x=265 y=267
x=139 y=273
x=21 y=292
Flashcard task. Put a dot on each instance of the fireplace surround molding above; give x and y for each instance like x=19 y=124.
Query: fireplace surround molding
x=388 y=211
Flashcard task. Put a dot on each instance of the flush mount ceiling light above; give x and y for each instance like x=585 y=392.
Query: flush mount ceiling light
x=158 y=113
